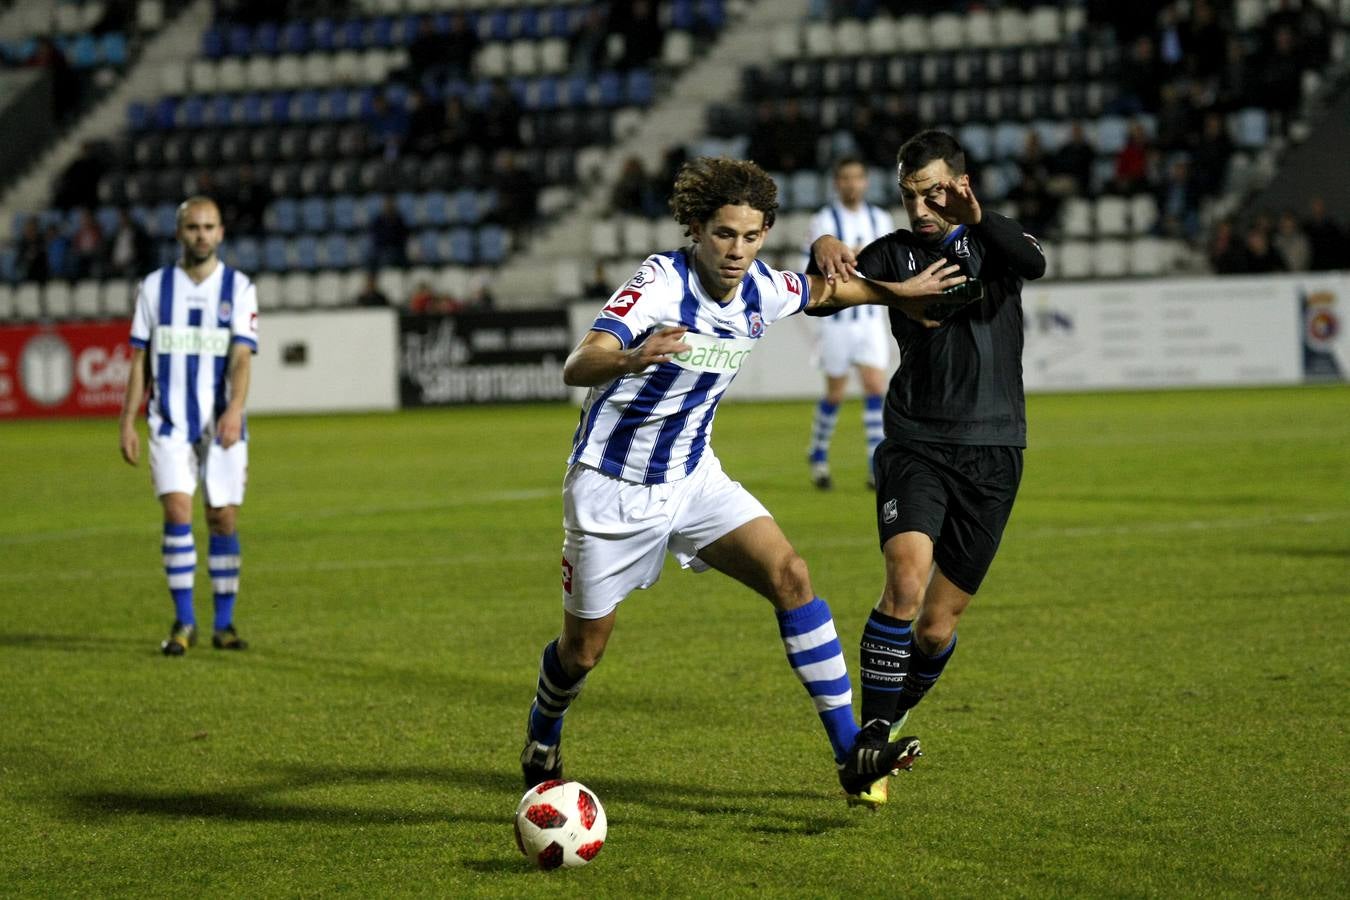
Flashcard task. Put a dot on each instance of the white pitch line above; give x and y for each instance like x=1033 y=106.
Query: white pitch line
x=406 y=562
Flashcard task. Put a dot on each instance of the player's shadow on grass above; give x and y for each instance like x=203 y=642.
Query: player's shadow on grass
x=74 y=643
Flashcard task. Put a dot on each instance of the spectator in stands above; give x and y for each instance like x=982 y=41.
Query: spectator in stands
x=633 y=194
x=664 y=180
x=1330 y=246
x=1292 y=243
x=78 y=184
x=59 y=263
x=371 y=295
x=65 y=83
x=31 y=262
x=1176 y=117
x=517 y=192
x=1178 y=201
x=458 y=132
x=499 y=119
x=461 y=47
x=797 y=138
x=1226 y=253
x=588 y=49
x=1071 y=165
x=763 y=147
x=1140 y=75
x=247 y=203
x=130 y=250
x=1261 y=256
x=599 y=287
x=1314 y=31
x=429 y=56
x=388 y=237
x=86 y=246
x=643 y=33
x=1131 y=173
x=387 y=126
x=426 y=124
x=1281 y=76
x=426 y=302
x=1210 y=155
x=1203 y=39
x=1237 y=81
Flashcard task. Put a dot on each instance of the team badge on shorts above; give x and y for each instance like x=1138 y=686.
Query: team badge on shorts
x=889 y=512
x=756 y=325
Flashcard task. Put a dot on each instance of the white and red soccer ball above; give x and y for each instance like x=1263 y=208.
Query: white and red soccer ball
x=560 y=824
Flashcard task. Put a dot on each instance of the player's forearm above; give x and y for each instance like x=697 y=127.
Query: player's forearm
x=1006 y=237
x=827 y=294
x=241 y=372
x=135 y=393
x=589 y=366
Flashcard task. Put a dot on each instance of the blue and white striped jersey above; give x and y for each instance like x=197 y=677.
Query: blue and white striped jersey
x=653 y=427
x=188 y=329
x=857 y=228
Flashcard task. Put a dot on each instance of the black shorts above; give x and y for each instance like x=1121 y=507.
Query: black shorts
x=959 y=495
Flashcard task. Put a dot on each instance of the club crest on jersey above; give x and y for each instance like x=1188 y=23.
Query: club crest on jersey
x=225 y=309
x=963 y=246
x=756 y=324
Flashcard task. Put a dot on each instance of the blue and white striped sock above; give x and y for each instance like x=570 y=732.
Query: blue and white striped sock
x=180 y=567
x=923 y=673
x=822 y=430
x=224 y=565
x=874 y=427
x=554 y=693
x=814 y=653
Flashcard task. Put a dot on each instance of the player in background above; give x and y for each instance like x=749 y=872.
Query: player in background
x=194 y=331
x=854 y=339
x=643 y=479
x=950 y=464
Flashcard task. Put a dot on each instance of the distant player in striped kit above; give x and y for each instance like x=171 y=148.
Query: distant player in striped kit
x=643 y=479
x=859 y=338
x=194 y=332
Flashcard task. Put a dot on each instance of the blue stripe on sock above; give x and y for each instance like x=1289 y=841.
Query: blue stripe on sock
x=873 y=626
x=806 y=618
x=180 y=570
x=174 y=530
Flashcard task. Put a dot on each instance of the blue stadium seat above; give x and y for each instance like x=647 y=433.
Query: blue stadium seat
x=219 y=110
x=267 y=39
x=322 y=35
x=192 y=112
x=9 y=257
x=713 y=13
x=639 y=89
x=138 y=116
x=314 y=214
x=306 y=252
x=244 y=254
x=557 y=22
x=464 y=206
x=248 y=110
x=609 y=86
x=380 y=32
x=213 y=43
x=682 y=15
x=369 y=208
x=142 y=215
x=295 y=38
x=113 y=49
x=239 y=40
x=164 y=221
x=576 y=90
x=277 y=107
x=493 y=244
x=274 y=254
x=335 y=252
x=344 y=212
x=283 y=216
x=498 y=26
x=406 y=201
x=163 y=116
x=486 y=203
x=305 y=106
x=83 y=52
x=527 y=23
x=461 y=249
x=339 y=105
x=347 y=35
x=106 y=216
x=426 y=247
x=436 y=208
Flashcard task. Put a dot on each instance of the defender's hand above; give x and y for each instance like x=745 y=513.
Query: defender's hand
x=961 y=207
x=659 y=347
x=835 y=258
x=131 y=443
x=230 y=428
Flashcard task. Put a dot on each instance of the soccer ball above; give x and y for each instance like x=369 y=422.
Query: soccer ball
x=560 y=823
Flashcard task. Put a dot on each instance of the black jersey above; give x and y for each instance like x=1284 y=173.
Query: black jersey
x=960 y=383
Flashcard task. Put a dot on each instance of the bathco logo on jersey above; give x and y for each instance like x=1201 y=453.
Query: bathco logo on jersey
x=724 y=356
x=186 y=339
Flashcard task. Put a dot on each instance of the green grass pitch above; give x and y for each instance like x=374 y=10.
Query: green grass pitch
x=1150 y=697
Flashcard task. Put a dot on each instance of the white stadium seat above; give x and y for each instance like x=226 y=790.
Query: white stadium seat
x=230 y=75
x=6 y=302
x=391 y=283
x=948 y=31
x=288 y=72
x=1075 y=259
x=28 y=301
x=1112 y=215
x=1076 y=217
x=1045 y=26
x=203 y=75
x=911 y=33
x=605 y=238
x=297 y=290
x=881 y=36
x=56 y=300
x=85 y=300
x=1143 y=213
x=635 y=235
x=328 y=288
x=1110 y=258
x=117 y=298
x=980 y=28
x=1013 y=28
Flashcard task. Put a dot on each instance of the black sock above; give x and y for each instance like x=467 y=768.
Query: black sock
x=883 y=655
x=923 y=674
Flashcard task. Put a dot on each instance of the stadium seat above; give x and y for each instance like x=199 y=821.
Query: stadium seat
x=117 y=298
x=328 y=289
x=297 y=290
x=1111 y=214
x=314 y=214
x=462 y=249
x=7 y=311
x=274 y=254
x=28 y=301
x=1143 y=213
x=1110 y=258
x=1044 y=25
x=1076 y=217
x=1075 y=259
x=268 y=287
x=57 y=301
x=391 y=284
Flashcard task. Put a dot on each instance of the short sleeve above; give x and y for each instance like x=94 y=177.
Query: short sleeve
x=637 y=307
x=141 y=319
x=782 y=293
x=244 y=319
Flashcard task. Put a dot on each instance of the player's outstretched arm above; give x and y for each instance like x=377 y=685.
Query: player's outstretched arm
x=600 y=358
x=910 y=296
x=131 y=402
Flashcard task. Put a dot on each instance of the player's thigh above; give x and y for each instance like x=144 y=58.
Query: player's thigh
x=174 y=466
x=983 y=493
x=225 y=474
x=759 y=556
x=614 y=540
x=836 y=350
x=912 y=493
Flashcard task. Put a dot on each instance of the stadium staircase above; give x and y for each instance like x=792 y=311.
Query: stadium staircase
x=556 y=262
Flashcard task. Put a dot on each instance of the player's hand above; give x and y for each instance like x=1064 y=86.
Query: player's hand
x=659 y=347
x=230 y=427
x=961 y=207
x=131 y=443
x=835 y=258
x=914 y=294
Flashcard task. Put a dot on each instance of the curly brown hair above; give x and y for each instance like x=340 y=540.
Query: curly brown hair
x=707 y=184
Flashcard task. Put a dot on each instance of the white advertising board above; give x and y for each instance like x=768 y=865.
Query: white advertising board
x=330 y=361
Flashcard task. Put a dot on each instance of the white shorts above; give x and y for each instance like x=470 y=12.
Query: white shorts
x=616 y=532
x=176 y=466
x=858 y=336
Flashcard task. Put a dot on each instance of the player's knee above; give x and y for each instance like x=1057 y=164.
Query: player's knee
x=933 y=637
x=792 y=580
